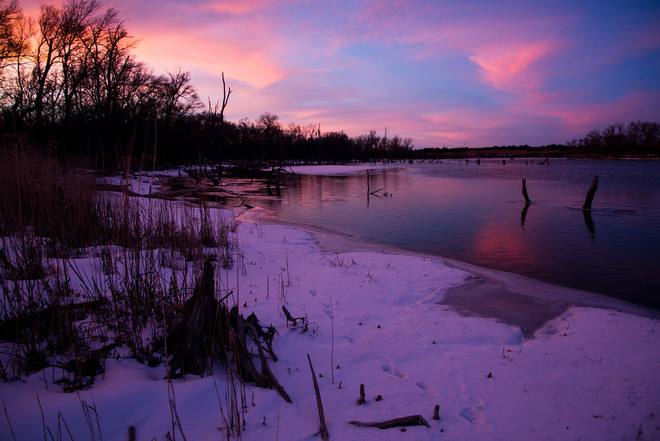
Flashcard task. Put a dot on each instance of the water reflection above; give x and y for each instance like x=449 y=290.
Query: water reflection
x=589 y=222
x=523 y=214
x=471 y=213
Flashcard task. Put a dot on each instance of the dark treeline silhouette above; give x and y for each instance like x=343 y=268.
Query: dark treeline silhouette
x=72 y=83
x=637 y=138
x=548 y=151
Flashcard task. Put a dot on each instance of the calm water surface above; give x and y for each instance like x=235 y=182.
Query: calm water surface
x=477 y=214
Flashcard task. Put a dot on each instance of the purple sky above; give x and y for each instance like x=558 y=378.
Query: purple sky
x=446 y=73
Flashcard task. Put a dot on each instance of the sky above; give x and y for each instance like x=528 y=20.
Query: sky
x=446 y=73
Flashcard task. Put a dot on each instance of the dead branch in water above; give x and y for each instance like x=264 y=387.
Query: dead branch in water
x=590 y=194
x=524 y=190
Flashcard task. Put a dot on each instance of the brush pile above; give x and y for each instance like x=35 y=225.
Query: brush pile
x=210 y=331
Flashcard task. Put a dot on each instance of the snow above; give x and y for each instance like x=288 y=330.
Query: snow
x=377 y=318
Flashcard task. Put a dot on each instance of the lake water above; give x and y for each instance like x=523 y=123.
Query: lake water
x=477 y=214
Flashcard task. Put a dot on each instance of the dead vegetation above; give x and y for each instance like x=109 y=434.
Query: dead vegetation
x=88 y=273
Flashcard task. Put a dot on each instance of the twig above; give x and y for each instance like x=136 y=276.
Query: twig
x=11 y=429
x=332 y=343
x=324 y=430
x=43 y=420
x=176 y=414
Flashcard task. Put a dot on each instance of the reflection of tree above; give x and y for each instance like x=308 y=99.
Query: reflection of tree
x=523 y=214
x=589 y=222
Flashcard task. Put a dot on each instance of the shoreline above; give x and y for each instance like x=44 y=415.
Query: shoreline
x=508 y=297
x=380 y=318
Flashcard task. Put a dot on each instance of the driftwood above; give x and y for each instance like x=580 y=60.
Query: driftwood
x=590 y=194
x=324 y=429
x=412 y=420
x=167 y=194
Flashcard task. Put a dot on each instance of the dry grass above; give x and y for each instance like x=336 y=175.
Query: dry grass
x=148 y=253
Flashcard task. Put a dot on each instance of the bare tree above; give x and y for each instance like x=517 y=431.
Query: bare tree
x=178 y=95
x=9 y=13
x=75 y=21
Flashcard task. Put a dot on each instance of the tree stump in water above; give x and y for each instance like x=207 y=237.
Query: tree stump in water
x=524 y=191
x=590 y=194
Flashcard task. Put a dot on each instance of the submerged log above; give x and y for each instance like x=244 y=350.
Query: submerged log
x=590 y=194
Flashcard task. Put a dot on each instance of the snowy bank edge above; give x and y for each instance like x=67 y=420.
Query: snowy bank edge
x=500 y=281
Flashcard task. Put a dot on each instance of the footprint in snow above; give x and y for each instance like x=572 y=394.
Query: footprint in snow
x=470 y=414
x=389 y=369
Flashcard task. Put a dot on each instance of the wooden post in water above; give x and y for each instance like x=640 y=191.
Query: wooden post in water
x=590 y=194
x=524 y=191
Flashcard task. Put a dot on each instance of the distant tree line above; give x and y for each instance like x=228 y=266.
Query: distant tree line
x=637 y=138
x=71 y=82
x=508 y=151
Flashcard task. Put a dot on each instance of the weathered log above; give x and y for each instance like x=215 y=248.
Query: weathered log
x=319 y=404
x=590 y=194
x=412 y=420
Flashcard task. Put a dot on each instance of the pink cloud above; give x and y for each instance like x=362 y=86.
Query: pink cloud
x=252 y=66
x=238 y=7
x=509 y=67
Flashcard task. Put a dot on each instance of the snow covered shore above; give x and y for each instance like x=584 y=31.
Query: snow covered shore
x=390 y=321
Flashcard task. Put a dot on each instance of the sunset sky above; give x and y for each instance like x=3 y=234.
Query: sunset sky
x=446 y=73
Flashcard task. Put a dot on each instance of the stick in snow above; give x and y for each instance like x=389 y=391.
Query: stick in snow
x=324 y=430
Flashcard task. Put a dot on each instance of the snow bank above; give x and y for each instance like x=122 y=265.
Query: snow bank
x=377 y=318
